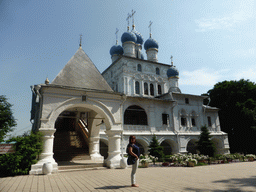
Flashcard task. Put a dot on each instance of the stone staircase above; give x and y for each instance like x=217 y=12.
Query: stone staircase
x=71 y=152
x=69 y=145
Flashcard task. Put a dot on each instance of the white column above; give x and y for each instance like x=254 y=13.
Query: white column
x=133 y=87
x=94 y=148
x=151 y=118
x=47 y=153
x=183 y=144
x=114 y=144
x=156 y=89
x=129 y=86
x=141 y=87
x=124 y=85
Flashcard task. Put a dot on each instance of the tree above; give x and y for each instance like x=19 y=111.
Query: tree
x=155 y=149
x=27 y=150
x=7 y=121
x=205 y=144
x=237 y=103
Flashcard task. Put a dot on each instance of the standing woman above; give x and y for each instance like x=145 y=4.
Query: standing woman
x=133 y=157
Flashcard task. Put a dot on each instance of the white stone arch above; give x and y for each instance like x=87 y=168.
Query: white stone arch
x=144 y=142
x=173 y=144
x=191 y=145
x=94 y=105
x=139 y=105
x=104 y=148
x=104 y=139
x=219 y=144
x=50 y=114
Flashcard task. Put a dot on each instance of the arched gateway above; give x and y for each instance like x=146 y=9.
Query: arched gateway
x=69 y=115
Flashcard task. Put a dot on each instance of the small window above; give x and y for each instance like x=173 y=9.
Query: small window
x=145 y=89
x=157 y=71
x=151 y=89
x=209 y=121
x=159 y=90
x=186 y=100
x=183 y=121
x=116 y=87
x=139 y=67
x=137 y=87
x=165 y=118
x=193 y=122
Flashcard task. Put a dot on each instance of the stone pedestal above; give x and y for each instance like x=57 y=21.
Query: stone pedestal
x=47 y=154
x=114 y=153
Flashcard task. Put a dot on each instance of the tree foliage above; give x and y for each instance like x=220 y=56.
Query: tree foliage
x=205 y=145
x=155 y=149
x=27 y=149
x=237 y=103
x=7 y=121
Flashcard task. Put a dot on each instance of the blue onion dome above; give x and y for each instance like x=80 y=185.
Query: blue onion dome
x=139 y=37
x=150 y=43
x=128 y=36
x=172 y=72
x=116 y=49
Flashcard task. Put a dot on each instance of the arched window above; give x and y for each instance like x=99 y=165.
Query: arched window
x=137 y=87
x=151 y=89
x=145 y=89
x=209 y=121
x=183 y=119
x=135 y=115
x=193 y=119
x=157 y=71
x=139 y=67
x=159 y=89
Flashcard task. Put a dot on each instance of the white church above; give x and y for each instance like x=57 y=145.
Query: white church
x=85 y=114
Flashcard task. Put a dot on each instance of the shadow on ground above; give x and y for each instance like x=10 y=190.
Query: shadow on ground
x=113 y=187
x=233 y=184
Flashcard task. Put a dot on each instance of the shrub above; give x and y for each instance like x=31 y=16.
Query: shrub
x=205 y=144
x=27 y=150
x=155 y=149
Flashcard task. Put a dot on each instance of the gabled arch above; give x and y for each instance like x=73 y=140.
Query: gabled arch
x=94 y=105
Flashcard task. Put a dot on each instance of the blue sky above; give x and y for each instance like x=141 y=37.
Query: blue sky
x=210 y=40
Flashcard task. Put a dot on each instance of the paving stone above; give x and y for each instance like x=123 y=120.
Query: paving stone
x=225 y=177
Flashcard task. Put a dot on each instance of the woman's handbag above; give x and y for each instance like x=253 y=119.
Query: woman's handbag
x=131 y=160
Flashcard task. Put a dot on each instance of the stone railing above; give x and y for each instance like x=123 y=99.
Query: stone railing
x=164 y=129
x=213 y=129
x=137 y=128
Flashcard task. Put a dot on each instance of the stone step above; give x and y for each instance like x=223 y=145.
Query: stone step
x=83 y=169
x=79 y=165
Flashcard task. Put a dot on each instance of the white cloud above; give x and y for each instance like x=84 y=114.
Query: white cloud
x=203 y=77
x=246 y=11
x=248 y=73
x=209 y=77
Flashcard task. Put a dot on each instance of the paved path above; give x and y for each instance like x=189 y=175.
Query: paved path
x=217 y=178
